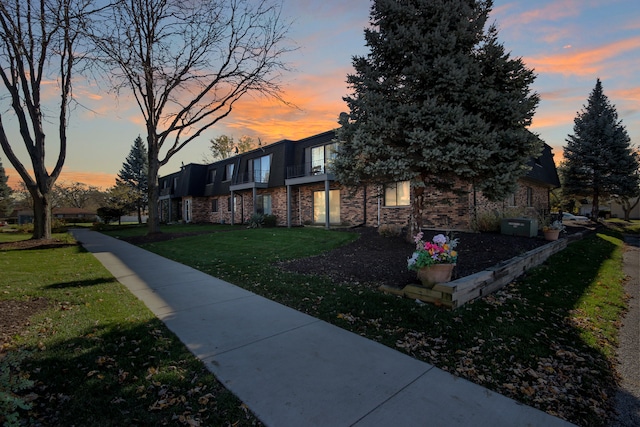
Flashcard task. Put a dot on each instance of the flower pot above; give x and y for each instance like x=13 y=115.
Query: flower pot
x=437 y=273
x=551 y=234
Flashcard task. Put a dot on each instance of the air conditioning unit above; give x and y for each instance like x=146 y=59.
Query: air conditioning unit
x=527 y=227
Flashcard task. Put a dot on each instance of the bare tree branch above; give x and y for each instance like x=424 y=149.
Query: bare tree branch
x=187 y=63
x=39 y=43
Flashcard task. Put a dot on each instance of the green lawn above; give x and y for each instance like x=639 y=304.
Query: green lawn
x=131 y=230
x=547 y=340
x=631 y=227
x=97 y=355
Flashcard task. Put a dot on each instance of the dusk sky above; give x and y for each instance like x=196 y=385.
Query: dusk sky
x=569 y=43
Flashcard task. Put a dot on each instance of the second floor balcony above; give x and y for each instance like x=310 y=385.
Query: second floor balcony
x=252 y=179
x=309 y=172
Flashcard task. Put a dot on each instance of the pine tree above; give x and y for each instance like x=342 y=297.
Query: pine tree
x=600 y=162
x=437 y=100
x=134 y=174
x=5 y=193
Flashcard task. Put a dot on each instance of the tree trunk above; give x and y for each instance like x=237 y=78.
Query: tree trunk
x=595 y=207
x=627 y=207
x=41 y=216
x=153 y=222
x=417 y=207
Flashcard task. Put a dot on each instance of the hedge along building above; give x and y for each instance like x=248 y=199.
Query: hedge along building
x=293 y=181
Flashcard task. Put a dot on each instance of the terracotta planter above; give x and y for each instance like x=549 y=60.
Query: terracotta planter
x=551 y=234
x=437 y=273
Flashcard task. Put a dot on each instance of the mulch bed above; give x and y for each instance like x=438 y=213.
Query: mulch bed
x=382 y=260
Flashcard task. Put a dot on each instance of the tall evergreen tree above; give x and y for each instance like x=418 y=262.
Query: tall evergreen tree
x=5 y=193
x=437 y=100
x=600 y=162
x=134 y=174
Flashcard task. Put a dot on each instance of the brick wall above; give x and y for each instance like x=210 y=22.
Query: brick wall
x=529 y=200
x=366 y=206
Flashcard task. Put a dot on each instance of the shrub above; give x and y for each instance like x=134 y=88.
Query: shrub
x=390 y=230
x=108 y=214
x=270 y=220
x=256 y=221
x=487 y=222
x=11 y=382
x=58 y=225
x=25 y=228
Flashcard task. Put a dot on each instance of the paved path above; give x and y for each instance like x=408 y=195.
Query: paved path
x=628 y=397
x=291 y=369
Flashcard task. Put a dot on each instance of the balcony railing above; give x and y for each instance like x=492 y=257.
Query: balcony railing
x=257 y=176
x=308 y=169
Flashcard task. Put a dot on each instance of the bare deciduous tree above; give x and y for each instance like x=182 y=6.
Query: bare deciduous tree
x=223 y=147
x=38 y=46
x=76 y=195
x=187 y=63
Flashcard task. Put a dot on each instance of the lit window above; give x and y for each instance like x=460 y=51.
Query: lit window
x=397 y=194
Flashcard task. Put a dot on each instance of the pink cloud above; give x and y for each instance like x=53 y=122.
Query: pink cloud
x=589 y=62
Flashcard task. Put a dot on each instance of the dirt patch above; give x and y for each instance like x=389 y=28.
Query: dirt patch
x=15 y=317
x=35 y=244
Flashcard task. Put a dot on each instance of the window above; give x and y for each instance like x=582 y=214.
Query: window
x=397 y=194
x=263 y=204
x=214 y=205
x=228 y=172
x=175 y=183
x=319 y=207
x=511 y=200
x=261 y=167
x=212 y=176
x=317 y=160
x=529 y=196
x=322 y=158
x=187 y=210
x=229 y=204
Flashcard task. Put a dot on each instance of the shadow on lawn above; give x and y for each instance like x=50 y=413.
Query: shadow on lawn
x=80 y=283
x=138 y=374
x=535 y=340
x=568 y=299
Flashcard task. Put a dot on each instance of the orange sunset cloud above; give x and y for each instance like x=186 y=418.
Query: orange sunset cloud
x=101 y=180
x=309 y=111
x=583 y=63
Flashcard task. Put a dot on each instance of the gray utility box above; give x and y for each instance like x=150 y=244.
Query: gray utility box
x=519 y=227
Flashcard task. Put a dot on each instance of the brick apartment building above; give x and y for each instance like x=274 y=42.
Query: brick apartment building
x=293 y=181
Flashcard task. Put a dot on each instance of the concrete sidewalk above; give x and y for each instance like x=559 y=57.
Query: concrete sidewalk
x=291 y=369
